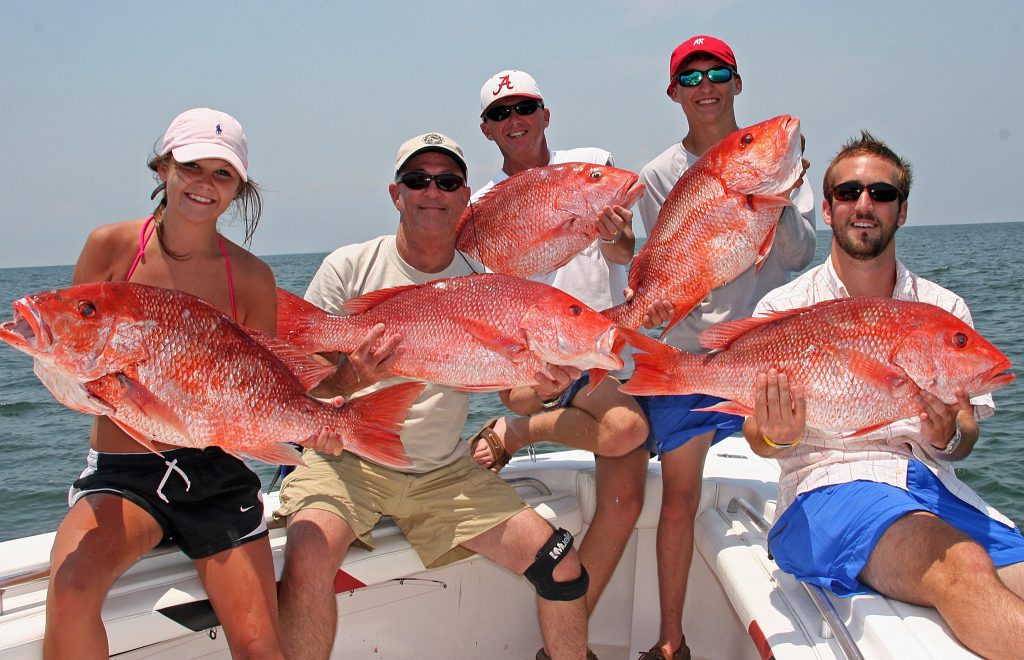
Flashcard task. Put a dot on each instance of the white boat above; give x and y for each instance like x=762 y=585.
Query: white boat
x=739 y=604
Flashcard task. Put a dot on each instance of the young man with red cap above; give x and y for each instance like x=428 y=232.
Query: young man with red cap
x=704 y=80
x=606 y=421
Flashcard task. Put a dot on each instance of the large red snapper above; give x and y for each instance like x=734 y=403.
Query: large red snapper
x=481 y=332
x=537 y=220
x=860 y=361
x=718 y=220
x=168 y=367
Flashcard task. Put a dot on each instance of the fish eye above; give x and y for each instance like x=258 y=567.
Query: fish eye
x=86 y=309
x=746 y=139
x=959 y=340
x=595 y=175
x=575 y=310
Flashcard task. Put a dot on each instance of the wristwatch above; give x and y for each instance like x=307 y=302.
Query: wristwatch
x=954 y=441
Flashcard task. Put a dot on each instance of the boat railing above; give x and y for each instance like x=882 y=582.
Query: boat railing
x=831 y=623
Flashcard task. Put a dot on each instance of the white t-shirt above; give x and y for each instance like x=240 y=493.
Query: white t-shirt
x=433 y=428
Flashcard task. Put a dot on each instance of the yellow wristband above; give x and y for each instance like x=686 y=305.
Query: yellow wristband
x=768 y=441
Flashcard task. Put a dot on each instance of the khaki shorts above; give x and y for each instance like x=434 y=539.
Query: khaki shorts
x=437 y=510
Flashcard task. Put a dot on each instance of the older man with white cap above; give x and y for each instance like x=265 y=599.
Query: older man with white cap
x=332 y=502
x=607 y=422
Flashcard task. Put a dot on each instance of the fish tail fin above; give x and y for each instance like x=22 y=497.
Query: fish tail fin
x=660 y=369
x=297 y=321
x=378 y=418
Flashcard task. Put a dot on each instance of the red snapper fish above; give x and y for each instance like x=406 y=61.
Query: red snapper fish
x=168 y=367
x=718 y=220
x=537 y=220
x=476 y=333
x=860 y=361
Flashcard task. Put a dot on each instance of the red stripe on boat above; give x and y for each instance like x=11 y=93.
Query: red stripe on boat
x=760 y=641
x=345 y=582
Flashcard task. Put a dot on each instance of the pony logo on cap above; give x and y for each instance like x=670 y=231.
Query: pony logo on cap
x=504 y=82
x=218 y=129
x=433 y=138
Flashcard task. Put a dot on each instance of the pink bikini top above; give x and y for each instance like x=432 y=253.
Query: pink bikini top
x=148 y=227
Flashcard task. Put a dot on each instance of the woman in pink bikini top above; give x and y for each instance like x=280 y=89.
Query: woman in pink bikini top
x=129 y=500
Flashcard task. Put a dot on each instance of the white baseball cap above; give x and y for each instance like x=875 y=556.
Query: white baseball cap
x=430 y=142
x=204 y=133
x=508 y=83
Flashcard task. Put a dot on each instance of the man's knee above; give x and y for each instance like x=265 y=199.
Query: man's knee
x=624 y=429
x=556 y=572
x=313 y=552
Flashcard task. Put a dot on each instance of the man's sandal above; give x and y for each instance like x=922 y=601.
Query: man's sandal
x=543 y=655
x=655 y=652
x=499 y=455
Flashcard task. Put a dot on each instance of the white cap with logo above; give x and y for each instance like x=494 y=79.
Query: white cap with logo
x=508 y=83
x=204 y=133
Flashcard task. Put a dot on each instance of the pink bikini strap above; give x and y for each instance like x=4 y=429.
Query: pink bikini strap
x=144 y=237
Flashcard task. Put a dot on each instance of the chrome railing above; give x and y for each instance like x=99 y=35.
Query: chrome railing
x=831 y=622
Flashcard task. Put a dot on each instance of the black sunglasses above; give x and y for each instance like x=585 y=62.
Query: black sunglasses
x=502 y=112
x=693 y=77
x=849 y=191
x=420 y=180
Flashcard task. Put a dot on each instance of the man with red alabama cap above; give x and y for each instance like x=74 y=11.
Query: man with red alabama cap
x=704 y=80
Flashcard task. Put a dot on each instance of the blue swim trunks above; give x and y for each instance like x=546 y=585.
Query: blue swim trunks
x=671 y=418
x=826 y=536
x=673 y=421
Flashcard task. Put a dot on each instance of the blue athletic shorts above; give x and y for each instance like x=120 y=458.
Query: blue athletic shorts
x=671 y=419
x=826 y=536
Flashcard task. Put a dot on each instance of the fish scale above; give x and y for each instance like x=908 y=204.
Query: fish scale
x=717 y=221
x=483 y=332
x=176 y=370
x=537 y=220
x=860 y=361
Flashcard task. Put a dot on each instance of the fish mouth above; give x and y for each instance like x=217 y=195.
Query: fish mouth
x=27 y=331
x=631 y=191
x=997 y=377
x=567 y=353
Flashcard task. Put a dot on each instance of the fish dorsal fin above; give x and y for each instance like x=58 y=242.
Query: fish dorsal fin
x=513 y=348
x=309 y=371
x=370 y=300
x=722 y=335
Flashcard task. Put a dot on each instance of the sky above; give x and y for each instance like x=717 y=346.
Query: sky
x=326 y=91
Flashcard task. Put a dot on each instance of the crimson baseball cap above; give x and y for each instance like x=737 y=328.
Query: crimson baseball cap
x=699 y=44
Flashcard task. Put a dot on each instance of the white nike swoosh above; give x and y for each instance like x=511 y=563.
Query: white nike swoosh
x=246 y=508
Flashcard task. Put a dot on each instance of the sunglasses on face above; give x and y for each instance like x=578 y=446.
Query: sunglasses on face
x=850 y=191
x=693 y=77
x=420 y=180
x=502 y=112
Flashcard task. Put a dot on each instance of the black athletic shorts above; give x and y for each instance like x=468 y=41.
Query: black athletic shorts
x=205 y=500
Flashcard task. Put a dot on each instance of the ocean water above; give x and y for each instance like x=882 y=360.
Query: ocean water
x=43 y=444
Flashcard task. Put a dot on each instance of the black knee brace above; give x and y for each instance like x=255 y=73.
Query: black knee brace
x=540 y=572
